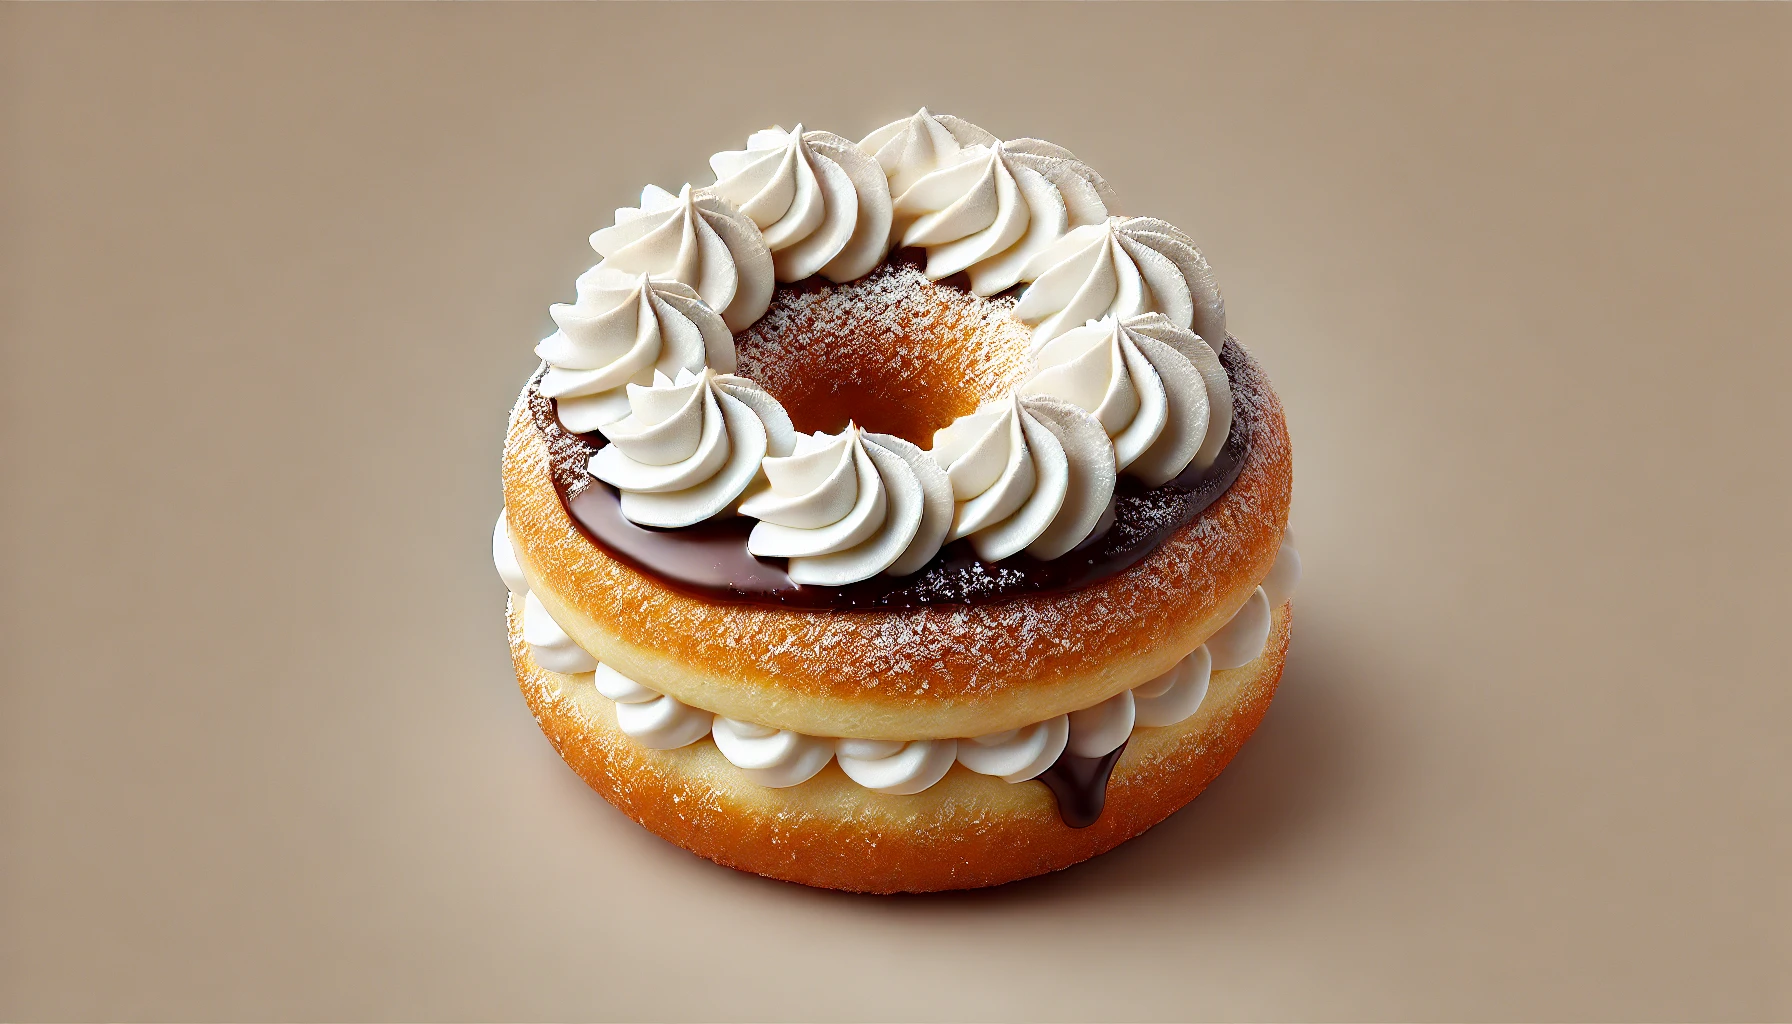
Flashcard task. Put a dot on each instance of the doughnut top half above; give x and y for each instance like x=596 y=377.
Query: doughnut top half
x=928 y=367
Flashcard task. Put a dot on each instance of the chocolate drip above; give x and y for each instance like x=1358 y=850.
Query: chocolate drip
x=710 y=560
x=1081 y=785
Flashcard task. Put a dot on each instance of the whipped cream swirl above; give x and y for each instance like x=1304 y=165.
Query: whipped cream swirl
x=1205 y=359
x=822 y=203
x=1121 y=267
x=774 y=758
x=1284 y=575
x=649 y=716
x=1018 y=754
x=1137 y=378
x=689 y=446
x=622 y=330
x=550 y=645
x=1175 y=695
x=504 y=559
x=1012 y=464
x=696 y=238
x=918 y=145
x=979 y=204
x=845 y=507
x=895 y=766
x=1243 y=637
x=1098 y=730
x=1061 y=192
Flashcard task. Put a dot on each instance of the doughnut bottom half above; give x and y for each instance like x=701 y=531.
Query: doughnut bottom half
x=966 y=831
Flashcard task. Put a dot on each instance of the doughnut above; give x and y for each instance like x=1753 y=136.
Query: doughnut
x=895 y=516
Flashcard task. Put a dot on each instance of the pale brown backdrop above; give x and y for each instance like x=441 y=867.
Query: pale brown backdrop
x=271 y=279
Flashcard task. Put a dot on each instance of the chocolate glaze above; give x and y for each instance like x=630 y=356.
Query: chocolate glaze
x=710 y=560
x=1081 y=785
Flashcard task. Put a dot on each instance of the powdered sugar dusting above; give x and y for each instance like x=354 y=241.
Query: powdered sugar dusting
x=894 y=351
x=567 y=454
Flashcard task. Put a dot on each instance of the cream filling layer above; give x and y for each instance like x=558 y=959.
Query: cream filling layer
x=777 y=758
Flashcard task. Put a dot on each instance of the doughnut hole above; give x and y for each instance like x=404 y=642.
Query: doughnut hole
x=893 y=352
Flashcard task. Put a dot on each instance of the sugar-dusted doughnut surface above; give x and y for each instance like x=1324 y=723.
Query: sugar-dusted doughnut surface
x=966 y=831
x=894 y=352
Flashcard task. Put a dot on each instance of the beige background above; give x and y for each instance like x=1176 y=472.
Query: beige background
x=271 y=279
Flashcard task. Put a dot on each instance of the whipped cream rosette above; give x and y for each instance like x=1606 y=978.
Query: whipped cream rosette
x=1175 y=695
x=648 y=716
x=845 y=507
x=1089 y=489
x=697 y=238
x=1150 y=398
x=973 y=209
x=1205 y=359
x=504 y=559
x=1017 y=754
x=920 y=144
x=1086 y=195
x=1012 y=464
x=1241 y=639
x=552 y=646
x=821 y=203
x=982 y=205
x=1096 y=730
x=622 y=330
x=774 y=758
x=689 y=446
x=896 y=766
x=1121 y=267
x=1060 y=193
x=1279 y=585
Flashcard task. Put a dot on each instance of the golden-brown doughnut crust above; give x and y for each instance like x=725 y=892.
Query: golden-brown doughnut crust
x=968 y=830
x=938 y=671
